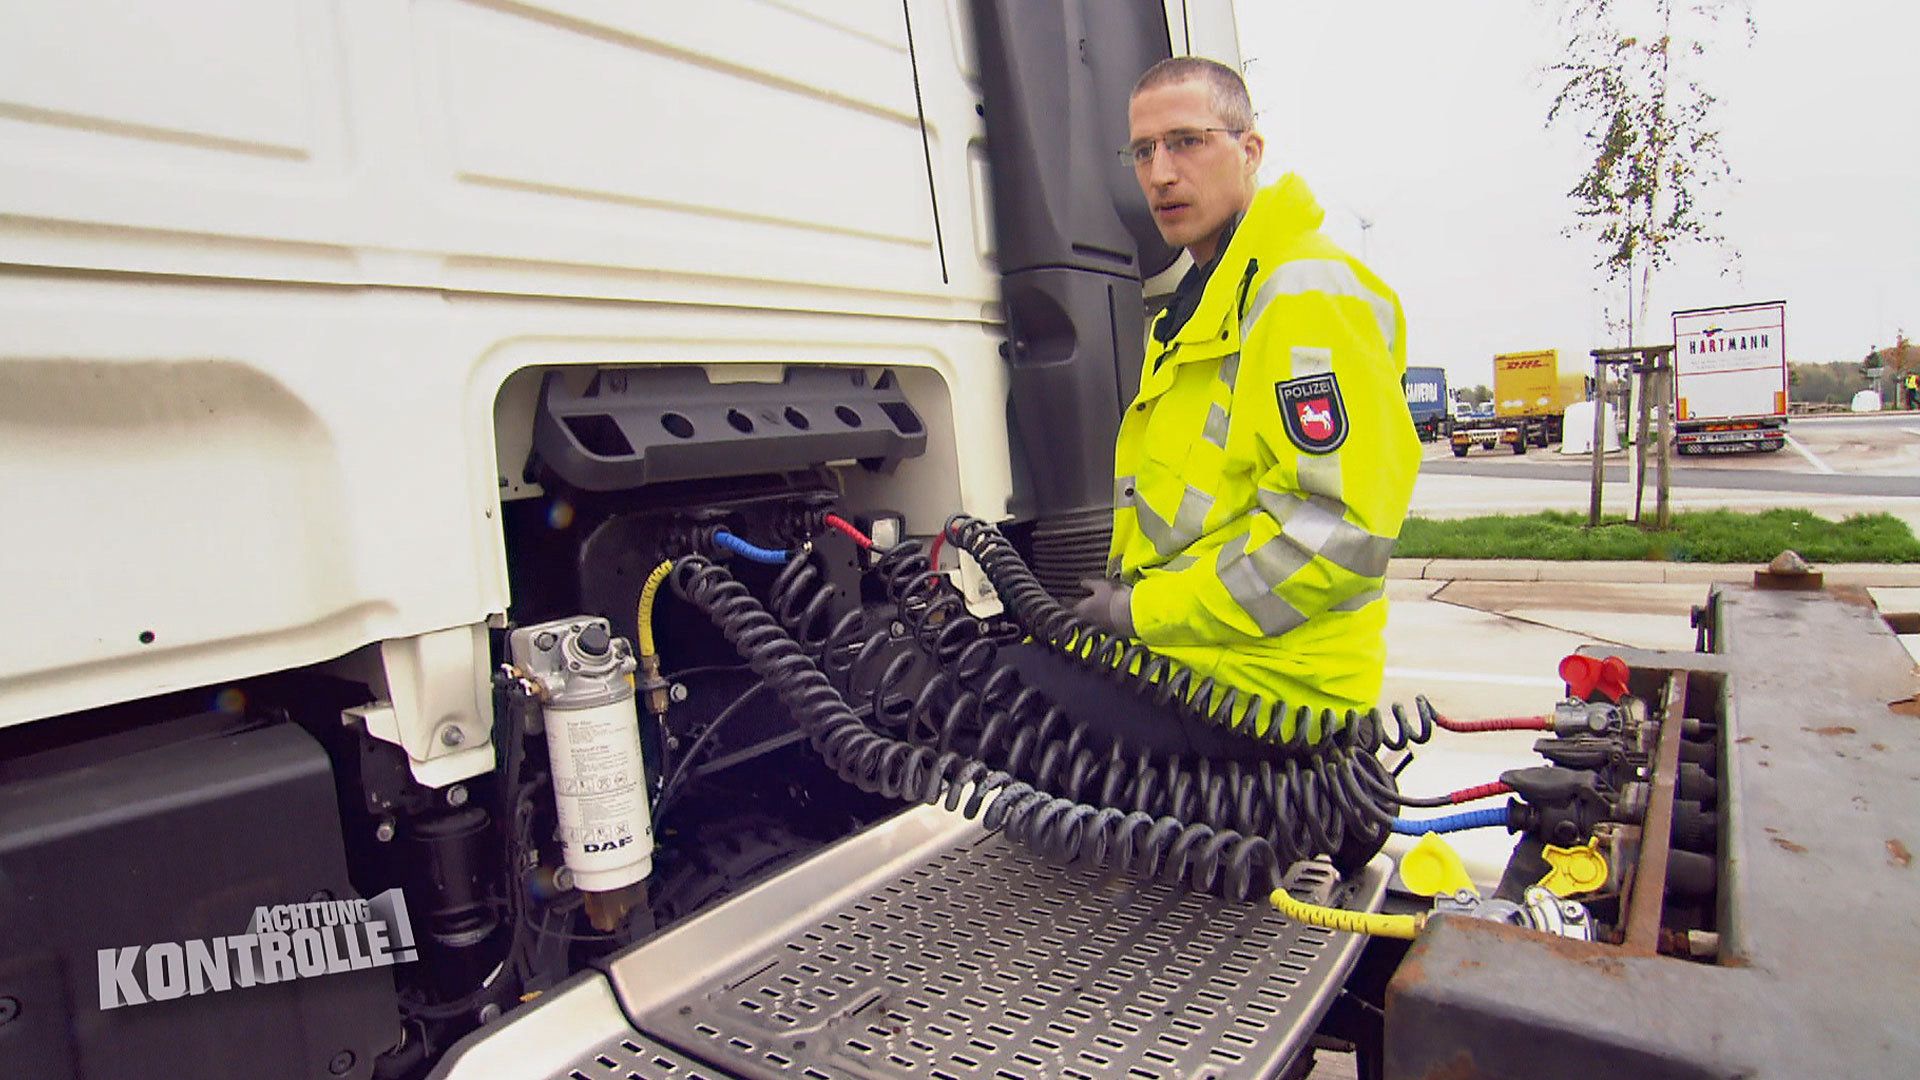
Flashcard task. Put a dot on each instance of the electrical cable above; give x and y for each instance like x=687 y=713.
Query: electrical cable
x=976 y=705
x=1470 y=819
x=1207 y=859
x=699 y=670
x=1169 y=683
x=723 y=538
x=672 y=785
x=1337 y=801
x=1455 y=798
x=1480 y=791
x=933 y=553
x=852 y=531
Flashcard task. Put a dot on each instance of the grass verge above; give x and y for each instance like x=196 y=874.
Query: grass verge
x=1705 y=536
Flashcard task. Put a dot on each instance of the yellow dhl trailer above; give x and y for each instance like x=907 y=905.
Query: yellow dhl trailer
x=1529 y=386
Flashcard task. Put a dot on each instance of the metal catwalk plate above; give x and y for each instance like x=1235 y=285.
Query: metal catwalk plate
x=983 y=959
x=633 y=1056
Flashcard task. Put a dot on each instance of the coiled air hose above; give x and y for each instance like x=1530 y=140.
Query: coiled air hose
x=1337 y=802
x=1206 y=858
x=1169 y=683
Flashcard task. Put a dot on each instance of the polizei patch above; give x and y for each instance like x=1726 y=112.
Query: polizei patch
x=1316 y=418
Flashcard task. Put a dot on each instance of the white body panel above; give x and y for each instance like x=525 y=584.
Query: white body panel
x=265 y=270
x=1731 y=362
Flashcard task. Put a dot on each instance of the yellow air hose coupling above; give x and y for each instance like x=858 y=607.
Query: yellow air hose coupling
x=1353 y=922
x=653 y=688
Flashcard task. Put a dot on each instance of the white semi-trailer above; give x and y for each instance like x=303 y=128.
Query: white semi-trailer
x=1730 y=378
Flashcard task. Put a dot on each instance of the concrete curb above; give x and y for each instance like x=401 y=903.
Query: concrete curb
x=1874 y=575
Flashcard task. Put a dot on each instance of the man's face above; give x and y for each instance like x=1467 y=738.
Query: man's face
x=1203 y=177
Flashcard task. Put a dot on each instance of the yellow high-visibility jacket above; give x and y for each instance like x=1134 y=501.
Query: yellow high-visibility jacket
x=1264 y=470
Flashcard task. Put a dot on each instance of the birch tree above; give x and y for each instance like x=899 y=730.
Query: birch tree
x=1630 y=84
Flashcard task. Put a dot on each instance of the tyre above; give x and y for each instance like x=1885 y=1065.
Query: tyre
x=1520 y=444
x=1459 y=451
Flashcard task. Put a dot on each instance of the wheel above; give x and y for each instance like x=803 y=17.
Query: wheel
x=1459 y=451
x=1520 y=444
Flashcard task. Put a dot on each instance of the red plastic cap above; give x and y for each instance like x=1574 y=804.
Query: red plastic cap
x=1591 y=677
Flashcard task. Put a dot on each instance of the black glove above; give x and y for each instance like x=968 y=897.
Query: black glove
x=1109 y=605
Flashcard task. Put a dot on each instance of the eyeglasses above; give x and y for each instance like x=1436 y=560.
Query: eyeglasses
x=1179 y=144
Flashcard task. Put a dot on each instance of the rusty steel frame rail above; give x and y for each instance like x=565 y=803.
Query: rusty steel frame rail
x=1644 y=907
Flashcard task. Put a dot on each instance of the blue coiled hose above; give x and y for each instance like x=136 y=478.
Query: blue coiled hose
x=745 y=550
x=1471 y=819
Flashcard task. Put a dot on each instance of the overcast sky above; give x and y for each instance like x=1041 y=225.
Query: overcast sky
x=1426 y=119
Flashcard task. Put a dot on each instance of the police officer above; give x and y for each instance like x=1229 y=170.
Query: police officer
x=1265 y=467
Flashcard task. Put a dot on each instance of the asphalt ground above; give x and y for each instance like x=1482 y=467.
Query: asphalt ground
x=1873 y=454
x=1833 y=466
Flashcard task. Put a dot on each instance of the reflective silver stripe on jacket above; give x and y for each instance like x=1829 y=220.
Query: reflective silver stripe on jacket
x=1330 y=276
x=1216 y=429
x=1318 y=525
x=1310 y=361
x=1230 y=369
x=1188 y=521
x=1247 y=582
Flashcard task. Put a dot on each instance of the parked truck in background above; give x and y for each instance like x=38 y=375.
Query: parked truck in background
x=1427 y=400
x=1730 y=378
x=1530 y=400
x=1529 y=387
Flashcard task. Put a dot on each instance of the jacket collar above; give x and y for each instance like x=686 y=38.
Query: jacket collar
x=1279 y=212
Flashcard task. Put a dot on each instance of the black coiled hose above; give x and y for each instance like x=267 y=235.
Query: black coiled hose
x=1207 y=859
x=1171 y=684
x=1340 y=801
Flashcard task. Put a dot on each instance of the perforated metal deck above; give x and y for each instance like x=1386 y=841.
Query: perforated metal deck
x=633 y=1056
x=990 y=961
x=926 y=948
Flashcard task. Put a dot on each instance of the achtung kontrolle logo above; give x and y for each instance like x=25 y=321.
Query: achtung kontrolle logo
x=287 y=941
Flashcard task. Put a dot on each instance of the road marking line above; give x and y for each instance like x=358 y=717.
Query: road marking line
x=1430 y=675
x=1819 y=465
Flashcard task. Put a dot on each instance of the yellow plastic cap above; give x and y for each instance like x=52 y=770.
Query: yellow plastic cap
x=1433 y=868
x=1575 y=870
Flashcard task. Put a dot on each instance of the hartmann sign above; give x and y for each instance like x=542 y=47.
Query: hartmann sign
x=1731 y=339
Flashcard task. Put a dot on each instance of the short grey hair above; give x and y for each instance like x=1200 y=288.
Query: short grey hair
x=1230 y=99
